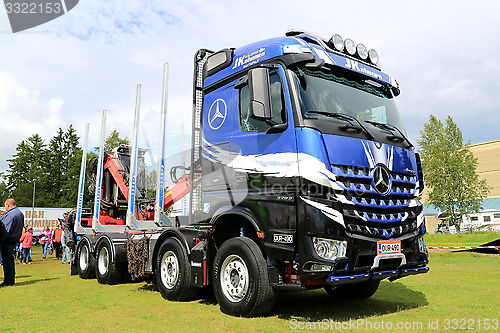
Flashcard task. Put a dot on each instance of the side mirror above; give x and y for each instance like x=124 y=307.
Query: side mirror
x=260 y=99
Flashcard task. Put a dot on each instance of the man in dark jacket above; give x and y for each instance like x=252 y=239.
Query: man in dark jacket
x=11 y=228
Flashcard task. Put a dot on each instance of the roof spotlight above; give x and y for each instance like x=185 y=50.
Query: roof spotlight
x=373 y=55
x=337 y=42
x=362 y=51
x=350 y=46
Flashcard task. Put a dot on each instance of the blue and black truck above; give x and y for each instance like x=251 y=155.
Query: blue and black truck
x=301 y=177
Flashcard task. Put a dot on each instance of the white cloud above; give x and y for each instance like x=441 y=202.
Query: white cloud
x=24 y=114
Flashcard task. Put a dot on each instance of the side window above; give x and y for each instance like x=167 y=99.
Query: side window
x=487 y=218
x=249 y=124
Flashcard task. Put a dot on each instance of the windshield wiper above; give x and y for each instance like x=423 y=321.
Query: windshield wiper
x=346 y=117
x=391 y=128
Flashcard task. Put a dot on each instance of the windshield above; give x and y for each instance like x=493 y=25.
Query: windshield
x=325 y=97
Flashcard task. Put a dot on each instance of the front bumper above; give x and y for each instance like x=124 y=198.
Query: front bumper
x=380 y=275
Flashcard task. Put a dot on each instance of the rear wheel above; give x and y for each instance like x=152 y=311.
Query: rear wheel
x=107 y=270
x=241 y=282
x=85 y=261
x=173 y=272
x=361 y=290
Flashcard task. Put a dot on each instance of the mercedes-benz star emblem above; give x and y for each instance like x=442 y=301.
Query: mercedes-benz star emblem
x=217 y=114
x=381 y=179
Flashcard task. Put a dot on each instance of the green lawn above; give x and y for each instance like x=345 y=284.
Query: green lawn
x=46 y=298
x=477 y=238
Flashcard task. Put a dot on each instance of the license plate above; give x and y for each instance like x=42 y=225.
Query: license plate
x=388 y=247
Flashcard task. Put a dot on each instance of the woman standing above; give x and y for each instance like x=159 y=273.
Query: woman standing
x=45 y=238
x=27 y=242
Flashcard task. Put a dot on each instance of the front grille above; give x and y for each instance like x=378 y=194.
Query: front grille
x=371 y=214
x=358 y=180
x=382 y=231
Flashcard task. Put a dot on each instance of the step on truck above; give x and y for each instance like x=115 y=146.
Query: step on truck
x=301 y=177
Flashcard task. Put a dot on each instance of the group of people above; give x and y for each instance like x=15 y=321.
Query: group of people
x=48 y=240
x=57 y=239
x=12 y=237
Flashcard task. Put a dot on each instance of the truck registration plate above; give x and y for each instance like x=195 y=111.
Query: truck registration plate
x=388 y=247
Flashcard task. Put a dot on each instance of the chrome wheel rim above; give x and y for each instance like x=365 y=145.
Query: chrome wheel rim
x=235 y=278
x=84 y=258
x=169 y=269
x=103 y=261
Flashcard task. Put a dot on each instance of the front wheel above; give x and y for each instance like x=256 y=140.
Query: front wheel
x=241 y=282
x=108 y=271
x=85 y=261
x=173 y=272
x=361 y=290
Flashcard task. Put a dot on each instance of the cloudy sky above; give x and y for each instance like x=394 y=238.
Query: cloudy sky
x=444 y=54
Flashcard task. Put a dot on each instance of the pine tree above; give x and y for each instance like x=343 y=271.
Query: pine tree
x=70 y=168
x=4 y=191
x=113 y=140
x=26 y=167
x=450 y=170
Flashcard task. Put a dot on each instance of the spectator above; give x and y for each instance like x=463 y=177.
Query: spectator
x=27 y=242
x=66 y=256
x=57 y=242
x=45 y=237
x=11 y=226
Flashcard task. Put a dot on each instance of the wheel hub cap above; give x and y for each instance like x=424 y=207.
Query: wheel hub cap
x=169 y=270
x=234 y=278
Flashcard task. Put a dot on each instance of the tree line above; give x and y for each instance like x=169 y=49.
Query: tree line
x=50 y=169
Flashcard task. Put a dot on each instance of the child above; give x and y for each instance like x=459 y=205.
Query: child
x=27 y=240
x=45 y=237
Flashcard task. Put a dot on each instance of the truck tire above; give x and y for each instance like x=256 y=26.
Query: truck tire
x=361 y=290
x=173 y=272
x=241 y=282
x=107 y=270
x=85 y=261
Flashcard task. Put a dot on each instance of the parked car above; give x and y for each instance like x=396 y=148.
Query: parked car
x=443 y=228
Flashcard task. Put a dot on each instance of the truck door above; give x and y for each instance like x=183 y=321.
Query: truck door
x=218 y=114
x=266 y=163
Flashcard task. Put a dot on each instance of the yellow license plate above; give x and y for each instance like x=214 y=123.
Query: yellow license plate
x=388 y=247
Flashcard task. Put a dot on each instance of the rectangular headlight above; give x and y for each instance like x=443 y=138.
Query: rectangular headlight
x=329 y=249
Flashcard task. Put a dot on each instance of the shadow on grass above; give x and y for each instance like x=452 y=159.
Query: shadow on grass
x=206 y=295
x=317 y=305
x=22 y=276
x=25 y=283
x=148 y=287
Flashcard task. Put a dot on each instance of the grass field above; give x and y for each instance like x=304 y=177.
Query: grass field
x=472 y=238
x=461 y=286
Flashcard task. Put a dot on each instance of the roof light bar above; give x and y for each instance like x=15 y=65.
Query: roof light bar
x=359 y=51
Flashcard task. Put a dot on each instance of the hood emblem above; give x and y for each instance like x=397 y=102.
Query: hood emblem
x=381 y=180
